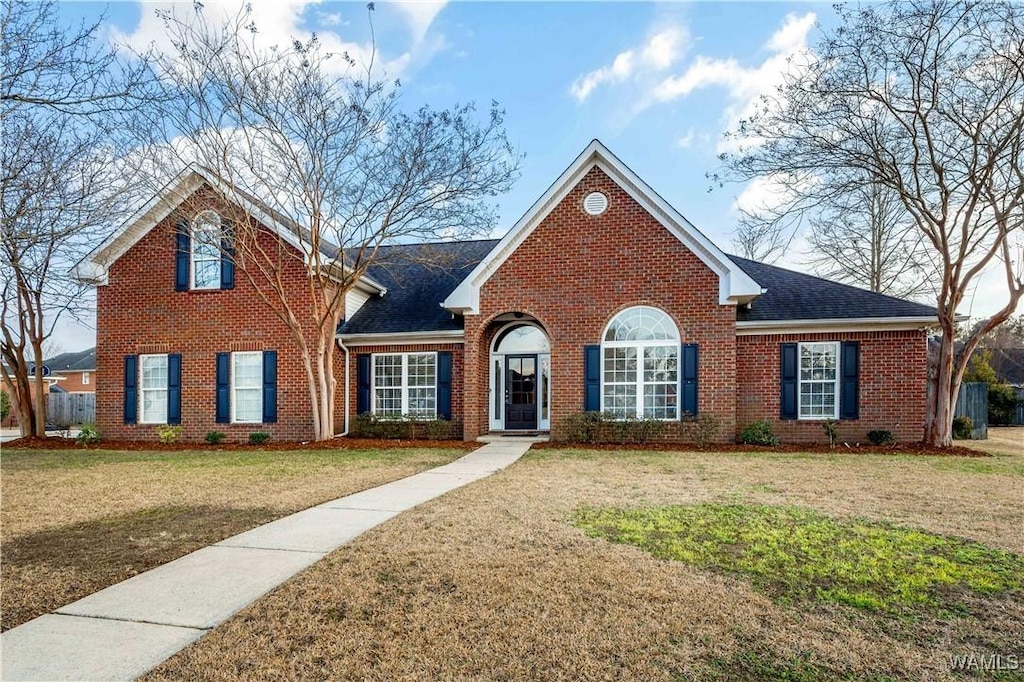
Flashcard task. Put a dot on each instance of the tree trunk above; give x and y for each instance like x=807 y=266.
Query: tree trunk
x=939 y=427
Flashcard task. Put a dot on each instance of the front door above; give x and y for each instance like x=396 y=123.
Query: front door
x=521 y=392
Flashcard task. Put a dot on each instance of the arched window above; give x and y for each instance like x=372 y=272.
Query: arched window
x=640 y=362
x=206 y=250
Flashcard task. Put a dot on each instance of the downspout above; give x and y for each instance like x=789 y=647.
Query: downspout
x=344 y=350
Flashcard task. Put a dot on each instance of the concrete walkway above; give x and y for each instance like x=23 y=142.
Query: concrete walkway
x=123 y=631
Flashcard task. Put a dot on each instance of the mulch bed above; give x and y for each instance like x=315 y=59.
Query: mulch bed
x=857 y=449
x=56 y=443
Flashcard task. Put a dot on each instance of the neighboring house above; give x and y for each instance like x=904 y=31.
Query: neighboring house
x=50 y=382
x=602 y=297
x=74 y=372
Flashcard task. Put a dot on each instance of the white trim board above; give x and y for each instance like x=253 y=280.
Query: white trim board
x=852 y=324
x=402 y=338
x=735 y=286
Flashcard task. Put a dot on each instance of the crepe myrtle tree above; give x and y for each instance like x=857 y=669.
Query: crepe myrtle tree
x=61 y=87
x=328 y=149
x=925 y=100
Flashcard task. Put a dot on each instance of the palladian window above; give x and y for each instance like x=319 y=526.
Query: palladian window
x=640 y=365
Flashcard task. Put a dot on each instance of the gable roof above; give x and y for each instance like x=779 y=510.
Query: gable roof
x=735 y=285
x=794 y=296
x=94 y=266
x=417 y=277
x=415 y=289
x=81 y=361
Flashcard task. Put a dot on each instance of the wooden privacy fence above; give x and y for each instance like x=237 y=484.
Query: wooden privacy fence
x=972 y=402
x=68 y=409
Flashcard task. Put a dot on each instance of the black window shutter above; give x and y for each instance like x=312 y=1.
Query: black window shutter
x=592 y=378
x=690 y=379
x=227 y=258
x=182 y=255
x=789 y=369
x=223 y=388
x=849 y=388
x=174 y=388
x=131 y=388
x=362 y=383
x=269 y=386
x=444 y=384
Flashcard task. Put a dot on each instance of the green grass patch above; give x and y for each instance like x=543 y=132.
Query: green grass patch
x=795 y=554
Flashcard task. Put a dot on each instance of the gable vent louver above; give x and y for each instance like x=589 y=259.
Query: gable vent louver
x=595 y=203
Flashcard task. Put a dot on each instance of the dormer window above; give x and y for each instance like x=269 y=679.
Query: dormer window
x=206 y=251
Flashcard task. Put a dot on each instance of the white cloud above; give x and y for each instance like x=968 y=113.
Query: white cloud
x=744 y=84
x=687 y=140
x=278 y=22
x=659 y=52
x=420 y=15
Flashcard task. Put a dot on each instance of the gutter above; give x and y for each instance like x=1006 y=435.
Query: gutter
x=344 y=349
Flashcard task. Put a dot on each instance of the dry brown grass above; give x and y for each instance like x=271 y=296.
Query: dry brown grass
x=491 y=582
x=74 y=522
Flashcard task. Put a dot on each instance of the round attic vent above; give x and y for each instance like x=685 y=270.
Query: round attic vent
x=595 y=203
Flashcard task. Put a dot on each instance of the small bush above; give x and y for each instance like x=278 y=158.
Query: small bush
x=703 y=429
x=582 y=427
x=168 y=433
x=87 y=435
x=258 y=437
x=1002 y=404
x=881 y=437
x=396 y=427
x=963 y=428
x=214 y=437
x=831 y=428
x=5 y=405
x=759 y=433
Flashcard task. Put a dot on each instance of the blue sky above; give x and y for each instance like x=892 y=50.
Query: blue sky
x=658 y=83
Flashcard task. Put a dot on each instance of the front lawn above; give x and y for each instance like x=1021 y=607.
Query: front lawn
x=75 y=521
x=496 y=580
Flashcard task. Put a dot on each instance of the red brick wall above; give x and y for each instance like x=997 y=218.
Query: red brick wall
x=139 y=312
x=458 y=372
x=73 y=383
x=575 y=272
x=893 y=385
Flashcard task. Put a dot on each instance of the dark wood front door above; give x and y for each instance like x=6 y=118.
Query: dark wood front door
x=520 y=392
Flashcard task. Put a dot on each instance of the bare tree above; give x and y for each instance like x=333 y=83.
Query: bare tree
x=925 y=99
x=58 y=89
x=326 y=146
x=868 y=239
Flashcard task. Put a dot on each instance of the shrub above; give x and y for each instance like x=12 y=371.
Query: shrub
x=963 y=428
x=214 y=437
x=881 y=437
x=436 y=429
x=582 y=427
x=87 y=435
x=759 y=433
x=396 y=427
x=258 y=437
x=831 y=428
x=5 y=405
x=703 y=429
x=1002 y=404
x=168 y=433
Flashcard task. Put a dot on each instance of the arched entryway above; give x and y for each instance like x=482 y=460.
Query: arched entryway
x=520 y=377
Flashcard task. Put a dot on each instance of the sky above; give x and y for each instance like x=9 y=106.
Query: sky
x=658 y=83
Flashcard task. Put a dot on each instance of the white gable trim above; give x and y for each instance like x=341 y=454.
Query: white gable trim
x=735 y=286
x=93 y=269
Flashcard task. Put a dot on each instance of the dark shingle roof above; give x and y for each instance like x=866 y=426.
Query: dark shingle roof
x=72 y=362
x=418 y=278
x=795 y=296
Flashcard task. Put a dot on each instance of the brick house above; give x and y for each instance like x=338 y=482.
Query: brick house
x=601 y=297
x=74 y=372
